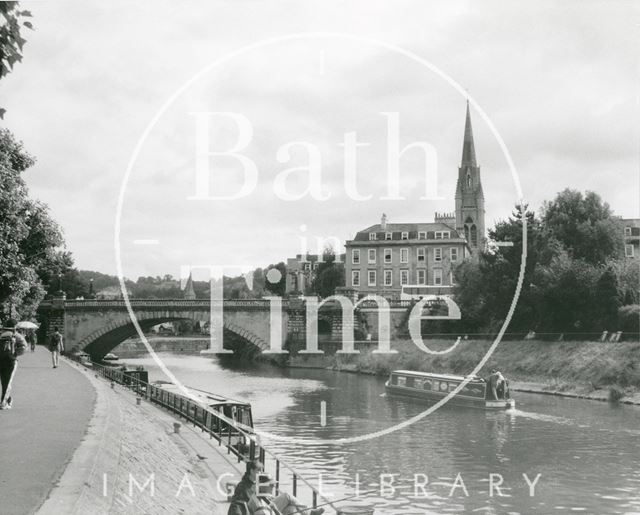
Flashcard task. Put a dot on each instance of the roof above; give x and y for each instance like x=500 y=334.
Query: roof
x=435 y=376
x=411 y=228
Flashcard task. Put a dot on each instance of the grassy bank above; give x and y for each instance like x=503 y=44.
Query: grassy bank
x=590 y=369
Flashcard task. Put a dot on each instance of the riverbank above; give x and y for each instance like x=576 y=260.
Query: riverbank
x=131 y=461
x=590 y=370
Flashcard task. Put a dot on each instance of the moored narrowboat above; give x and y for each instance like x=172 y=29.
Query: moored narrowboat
x=477 y=393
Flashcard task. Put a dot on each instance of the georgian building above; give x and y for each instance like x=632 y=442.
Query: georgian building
x=631 y=227
x=385 y=257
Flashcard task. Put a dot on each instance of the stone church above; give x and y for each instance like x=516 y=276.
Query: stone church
x=416 y=258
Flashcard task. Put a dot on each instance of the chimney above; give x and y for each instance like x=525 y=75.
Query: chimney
x=383 y=222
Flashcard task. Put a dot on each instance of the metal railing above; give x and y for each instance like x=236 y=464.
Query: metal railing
x=239 y=440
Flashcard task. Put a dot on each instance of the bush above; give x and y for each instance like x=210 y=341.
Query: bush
x=629 y=318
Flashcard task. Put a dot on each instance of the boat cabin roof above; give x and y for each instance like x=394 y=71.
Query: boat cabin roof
x=449 y=377
x=211 y=399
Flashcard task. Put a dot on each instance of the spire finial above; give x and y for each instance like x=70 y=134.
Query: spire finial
x=468 y=148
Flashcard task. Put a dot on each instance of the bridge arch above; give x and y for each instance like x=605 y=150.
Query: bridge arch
x=102 y=341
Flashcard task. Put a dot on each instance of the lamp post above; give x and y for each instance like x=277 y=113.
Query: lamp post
x=91 y=288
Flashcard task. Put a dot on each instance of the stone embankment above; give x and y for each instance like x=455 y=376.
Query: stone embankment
x=131 y=461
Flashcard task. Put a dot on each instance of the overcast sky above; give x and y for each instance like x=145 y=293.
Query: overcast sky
x=558 y=79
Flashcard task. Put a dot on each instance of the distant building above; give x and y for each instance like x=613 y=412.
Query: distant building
x=111 y=293
x=384 y=258
x=631 y=228
x=301 y=272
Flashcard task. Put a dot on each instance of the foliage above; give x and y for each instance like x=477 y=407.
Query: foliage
x=629 y=317
x=329 y=274
x=30 y=240
x=575 y=278
x=11 y=40
x=279 y=287
x=584 y=225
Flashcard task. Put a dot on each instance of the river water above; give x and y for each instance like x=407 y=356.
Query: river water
x=587 y=453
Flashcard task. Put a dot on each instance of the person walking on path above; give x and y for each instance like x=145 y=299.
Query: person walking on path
x=56 y=346
x=32 y=339
x=12 y=345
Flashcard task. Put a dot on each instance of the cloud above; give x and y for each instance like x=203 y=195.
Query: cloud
x=557 y=79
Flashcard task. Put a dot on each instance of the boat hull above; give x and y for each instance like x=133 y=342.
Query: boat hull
x=457 y=400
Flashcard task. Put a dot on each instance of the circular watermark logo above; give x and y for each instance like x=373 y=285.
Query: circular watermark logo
x=315 y=191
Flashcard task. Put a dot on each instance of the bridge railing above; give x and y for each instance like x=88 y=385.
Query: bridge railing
x=238 y=439
x=165 y=303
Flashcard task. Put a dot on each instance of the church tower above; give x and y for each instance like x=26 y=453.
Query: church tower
x=469 y=195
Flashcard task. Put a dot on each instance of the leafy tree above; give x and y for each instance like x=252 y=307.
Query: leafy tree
x=277 y=288
x=329 y=274
x=11 y=40
x=607 y=299
x=584 y=225
x=30 y=240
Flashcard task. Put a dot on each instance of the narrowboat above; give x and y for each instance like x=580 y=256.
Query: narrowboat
x=433 y=387
x=238 y=411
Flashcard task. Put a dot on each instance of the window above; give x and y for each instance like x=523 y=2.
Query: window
x=372 y=277
x=437 y=276
x=387 y=255
x=388 y=278
x=451 y=278
x=372 y=256
x=422 y=235
x=404 y=277
x=437 y=254
x=355 y=256
x=372 y=236
x=404 y=236
x=440 y=235
x=401 y=381
x=453 y=254
x=628 y=250
x=627 y=231
x=388 y=236
x=355 y=278
x=421 y=255
x=422 y=277
x=404 y=255
x=474 y=236
x=307 y=267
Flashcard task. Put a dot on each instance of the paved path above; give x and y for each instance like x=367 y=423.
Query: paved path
x=38 y=436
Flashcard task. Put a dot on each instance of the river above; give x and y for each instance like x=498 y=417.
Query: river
x=585 y=452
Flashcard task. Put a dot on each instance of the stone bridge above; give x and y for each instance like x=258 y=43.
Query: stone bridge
x=98 y=326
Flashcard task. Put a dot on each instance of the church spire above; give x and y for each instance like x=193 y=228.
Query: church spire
x=189 y=292
x=468 y=148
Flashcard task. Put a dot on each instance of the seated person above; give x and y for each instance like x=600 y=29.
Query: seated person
x=248 y=499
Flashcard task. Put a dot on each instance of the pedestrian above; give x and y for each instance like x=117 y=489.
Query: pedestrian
x=247 y=500
x=12 y=345
x=32 y=339
x=56 y=346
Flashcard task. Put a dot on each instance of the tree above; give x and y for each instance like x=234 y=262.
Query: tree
x=329 y=274
x=607 y=298
x=30 y=241
x=584 y=225
x=11 y=40
x=278 y=287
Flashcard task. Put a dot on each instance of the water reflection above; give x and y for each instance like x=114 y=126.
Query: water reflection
x=585 y=452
